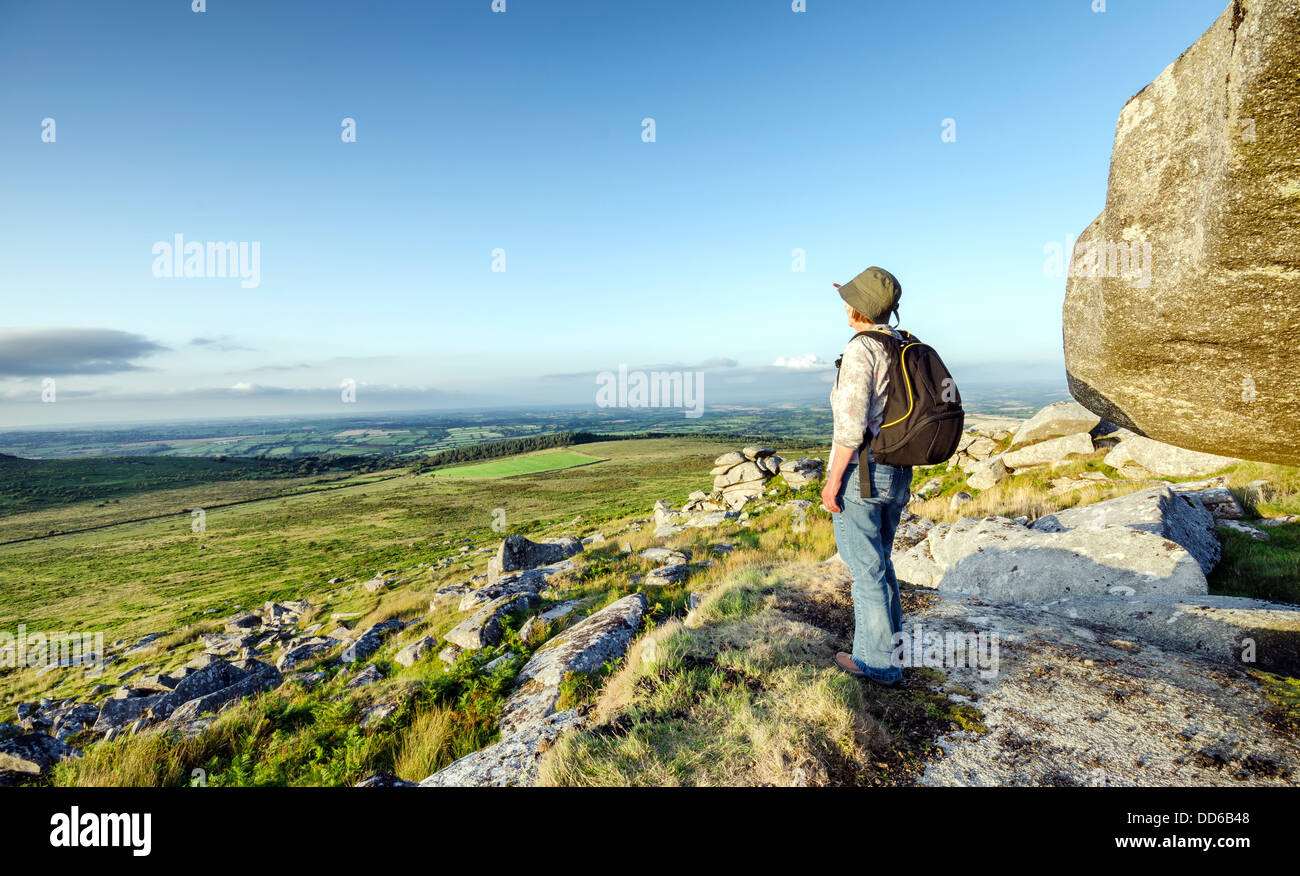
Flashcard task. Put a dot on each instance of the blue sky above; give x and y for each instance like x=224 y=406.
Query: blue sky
x=522 y=131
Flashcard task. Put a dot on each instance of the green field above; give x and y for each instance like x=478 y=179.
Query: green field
x=533 y=463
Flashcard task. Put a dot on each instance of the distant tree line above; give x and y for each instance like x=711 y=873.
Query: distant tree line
x=515 y=446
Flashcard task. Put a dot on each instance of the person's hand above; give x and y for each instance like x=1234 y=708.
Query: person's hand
x=830 y=497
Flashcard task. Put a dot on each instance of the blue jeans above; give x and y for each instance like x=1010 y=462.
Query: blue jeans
x=864 y=534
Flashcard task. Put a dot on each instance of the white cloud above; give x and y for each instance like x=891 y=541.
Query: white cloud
x=806 y=362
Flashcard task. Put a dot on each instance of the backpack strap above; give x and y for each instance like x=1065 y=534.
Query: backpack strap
x=896 y=348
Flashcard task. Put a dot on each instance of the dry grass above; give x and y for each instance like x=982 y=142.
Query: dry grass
x=426 y=745
x=744 y=695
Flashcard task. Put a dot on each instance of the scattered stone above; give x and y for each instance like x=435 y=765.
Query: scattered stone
x=34 y=753
x=376 y=584
x=666 y=575
x=483 y=628
x=413 y=652
x=366 y=676
x=299 y=651
x=517 y=554
x=929 y=488
x=384 y=780
x=986 y=474
x=1245 y=529
x=663 y=556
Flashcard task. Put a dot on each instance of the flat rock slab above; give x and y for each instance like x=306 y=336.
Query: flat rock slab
x=1165 y=459
x=1179 y=517
x=512 y=762
x=1002 y=560
x=1054 y=421
x=584 y=647
x=1247 y=632
x=1073 y=704
x=1051 y=450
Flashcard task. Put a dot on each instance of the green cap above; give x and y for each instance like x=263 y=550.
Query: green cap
x=874 y=293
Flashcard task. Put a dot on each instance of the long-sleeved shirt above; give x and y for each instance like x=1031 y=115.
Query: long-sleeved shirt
x=858 y=396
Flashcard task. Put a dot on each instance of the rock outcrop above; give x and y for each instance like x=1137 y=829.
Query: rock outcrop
x=1179 y=517
x=1182 y=313
x=1056 y=421
x=1002 y=560
x=1077 y=702
x=205 y=684
x=1163 y=459
x=517 y=553
x=584 y=647
x=741 y=476
x=798 y=473
x=512 y=762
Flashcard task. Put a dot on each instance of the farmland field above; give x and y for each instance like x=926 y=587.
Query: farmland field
x=534 y=463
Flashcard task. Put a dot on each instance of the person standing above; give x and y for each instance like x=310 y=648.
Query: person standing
x=866 y=515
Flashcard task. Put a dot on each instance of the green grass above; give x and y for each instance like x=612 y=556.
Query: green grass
x=1259 y=569
x=532 y=463
x=133 y=579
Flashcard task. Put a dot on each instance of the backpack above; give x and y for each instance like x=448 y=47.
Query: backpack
x=923 y=424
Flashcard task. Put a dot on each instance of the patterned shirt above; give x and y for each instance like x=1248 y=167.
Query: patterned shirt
x=858 y=397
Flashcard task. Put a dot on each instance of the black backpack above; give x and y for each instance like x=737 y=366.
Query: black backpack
x=922 y=423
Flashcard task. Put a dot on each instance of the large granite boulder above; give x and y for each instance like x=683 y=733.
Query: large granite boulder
x=1179 y=517
x=1182 y=312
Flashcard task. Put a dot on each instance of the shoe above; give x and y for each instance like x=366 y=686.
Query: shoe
x=852 y=667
